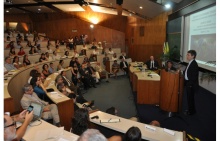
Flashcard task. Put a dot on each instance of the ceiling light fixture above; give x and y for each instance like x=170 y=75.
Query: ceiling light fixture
x=7 y=11
x=91 y=26
x=39 y=9
x=141 y=7
x=167 y=6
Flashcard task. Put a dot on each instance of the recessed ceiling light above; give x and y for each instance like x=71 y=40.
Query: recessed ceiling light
x=167 y=6
x=39 y=9
x=130 y=14
x=141 y=7
x=7 y=11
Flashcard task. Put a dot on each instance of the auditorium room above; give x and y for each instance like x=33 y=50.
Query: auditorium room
x=109 y=70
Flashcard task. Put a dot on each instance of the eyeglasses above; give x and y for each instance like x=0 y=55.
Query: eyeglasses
x=13 y=124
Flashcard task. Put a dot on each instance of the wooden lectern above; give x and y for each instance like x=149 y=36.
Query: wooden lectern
x=171 y=91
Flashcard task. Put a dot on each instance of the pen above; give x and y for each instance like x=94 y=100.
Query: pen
x=109 y=119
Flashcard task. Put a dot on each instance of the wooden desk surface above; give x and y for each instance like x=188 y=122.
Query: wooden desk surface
x=31 y=132
x=144 y=76
x=125 y=124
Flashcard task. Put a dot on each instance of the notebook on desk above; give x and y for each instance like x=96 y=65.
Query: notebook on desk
x=37 y=109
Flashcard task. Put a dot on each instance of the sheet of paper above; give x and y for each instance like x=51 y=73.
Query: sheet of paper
x=48 y=134
x=56 y=96
x=48 y=78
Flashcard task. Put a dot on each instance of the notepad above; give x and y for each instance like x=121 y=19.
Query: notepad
x=150 y=127
x=111 y=120
x=169 y=131
x=56 y=96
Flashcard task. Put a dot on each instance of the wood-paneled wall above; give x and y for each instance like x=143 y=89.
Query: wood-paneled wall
x=62 y=29
x=140 y=48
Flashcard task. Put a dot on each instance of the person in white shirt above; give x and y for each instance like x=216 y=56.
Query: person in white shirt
x=114 y=57
x=95 y=52
x=75 y=53
x=110 y=51
x=48 y=49
x=100 y=45
x=56 y=56
x=83 y=49
x=49 y=58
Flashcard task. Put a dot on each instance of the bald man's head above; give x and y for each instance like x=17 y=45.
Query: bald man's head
x=151 y=58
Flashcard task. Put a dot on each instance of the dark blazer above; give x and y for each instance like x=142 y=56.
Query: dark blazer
x=122 y=64
x=156 y=65
x=192 y=73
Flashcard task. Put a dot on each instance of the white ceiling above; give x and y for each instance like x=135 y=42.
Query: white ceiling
x=149 y=9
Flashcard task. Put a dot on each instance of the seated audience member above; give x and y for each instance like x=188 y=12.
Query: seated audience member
x=112 y=111
x=92 y=135
x=110 y=51
x=101 y=71
x=72 y=62
x=39 y=49
x=8 y=64
x=42 y=58
x=70 y=40
x=92 y=58
x=48 y=49
x=155 y=123
x=18 y=45
x=21 y=52
x=33 y=73
x=68 y=83
x=60 y=65
x=93 y=72
x=10 y=132
x=26 y=61
x=124 y=66
x=115 y=138
x=81 y=102
x=115 y=68
x=45 y=70
x=95 y=52
x=29 y=44
x=39 y=88
x=56 y=56
x=152 y=64
x=170 y=66
x=16 y=62
x=74 y=71
x=10 y=45
x=57 y=42
x=62 y=88
x=66 y=54
x=48 y=57
x=100 y=45
x=75 y=53
x=83 y=49
x=123 y=56
x=133 y=134
x=93 y=46
x=105 y=59
x=86 y=78
x=114 y=57
x=12 y=52
x=85 y=60
x=50 y=111
x=32 y=50
x=77 y=62
x=57 y=49
x=80 y=121
x=51 y=68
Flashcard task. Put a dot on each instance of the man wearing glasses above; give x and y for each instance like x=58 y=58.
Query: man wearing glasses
x=10 y=132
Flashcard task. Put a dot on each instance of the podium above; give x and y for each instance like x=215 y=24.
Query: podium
x=171 y=91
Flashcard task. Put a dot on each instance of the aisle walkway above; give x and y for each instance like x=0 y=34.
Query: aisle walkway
x=117 y=93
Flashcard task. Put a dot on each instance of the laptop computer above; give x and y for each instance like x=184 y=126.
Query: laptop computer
x=37 y=110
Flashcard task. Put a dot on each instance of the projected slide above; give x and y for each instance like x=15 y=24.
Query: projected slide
x=200 y=35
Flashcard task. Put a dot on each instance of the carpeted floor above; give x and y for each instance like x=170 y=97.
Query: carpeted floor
x=118 y=93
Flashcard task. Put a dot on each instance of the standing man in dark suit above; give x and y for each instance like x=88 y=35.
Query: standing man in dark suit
x=191 y=74
x=152 y=64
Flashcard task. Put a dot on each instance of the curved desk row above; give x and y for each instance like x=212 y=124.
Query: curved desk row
x=159 y=134
x=13 y=92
